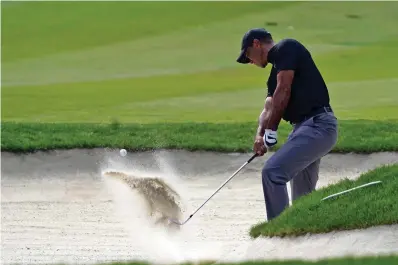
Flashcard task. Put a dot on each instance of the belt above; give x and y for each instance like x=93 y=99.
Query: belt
x=312 y=113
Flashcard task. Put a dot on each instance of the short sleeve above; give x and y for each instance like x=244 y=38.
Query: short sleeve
x=288 y=56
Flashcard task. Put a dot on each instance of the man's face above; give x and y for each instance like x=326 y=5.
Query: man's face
x=258 y=53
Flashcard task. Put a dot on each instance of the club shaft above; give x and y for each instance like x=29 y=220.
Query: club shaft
x=222 y=185
x=219 y=188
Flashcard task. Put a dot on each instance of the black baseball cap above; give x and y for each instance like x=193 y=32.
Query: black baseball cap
x=247 y=41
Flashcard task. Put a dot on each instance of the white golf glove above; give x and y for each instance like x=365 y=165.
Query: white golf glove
x=270 y=138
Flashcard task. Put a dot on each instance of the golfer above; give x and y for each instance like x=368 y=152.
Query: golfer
x=298 y=94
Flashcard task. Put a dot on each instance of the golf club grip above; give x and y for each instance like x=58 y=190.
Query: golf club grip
x=251 y=159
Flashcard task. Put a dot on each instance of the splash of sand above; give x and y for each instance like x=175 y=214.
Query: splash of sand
x=134 y=201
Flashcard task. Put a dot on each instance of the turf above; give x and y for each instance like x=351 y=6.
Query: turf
x=136 y=63
x=132 y=20
x=362 y=208
x=355 y=136
x=384 y=259
x=159 y=100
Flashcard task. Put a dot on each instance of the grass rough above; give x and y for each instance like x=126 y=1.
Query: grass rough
x=362 y=208
x=349 y=260
x=354 y=136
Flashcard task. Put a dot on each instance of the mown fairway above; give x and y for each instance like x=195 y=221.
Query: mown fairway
x=137 y=62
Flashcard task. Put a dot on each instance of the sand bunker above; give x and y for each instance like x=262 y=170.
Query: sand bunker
x=58 y=207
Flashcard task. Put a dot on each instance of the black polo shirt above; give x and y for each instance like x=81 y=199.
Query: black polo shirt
x=308 y=90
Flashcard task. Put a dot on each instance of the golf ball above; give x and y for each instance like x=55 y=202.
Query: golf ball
x=123 y=152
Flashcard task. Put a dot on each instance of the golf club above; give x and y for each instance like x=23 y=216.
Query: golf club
x=222 y=185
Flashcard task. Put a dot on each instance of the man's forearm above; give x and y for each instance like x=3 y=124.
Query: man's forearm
x=262 y=122
x=263 y=119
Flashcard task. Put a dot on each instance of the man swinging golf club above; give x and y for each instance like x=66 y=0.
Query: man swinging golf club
x=298 y=94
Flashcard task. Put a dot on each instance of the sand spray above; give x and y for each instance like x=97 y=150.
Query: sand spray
x=157 y=243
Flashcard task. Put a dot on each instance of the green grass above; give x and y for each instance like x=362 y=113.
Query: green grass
x=355 y=136
x=376 y=260
x=57 y=26
x=159 y=100
x=362 y=208
x=136 y=63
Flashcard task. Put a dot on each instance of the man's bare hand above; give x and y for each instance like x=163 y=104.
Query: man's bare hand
x=259 y=147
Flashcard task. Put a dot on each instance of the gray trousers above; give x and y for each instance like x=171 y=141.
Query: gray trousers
x=297 y=161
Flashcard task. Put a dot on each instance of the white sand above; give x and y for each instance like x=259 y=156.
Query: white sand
x=57 y=207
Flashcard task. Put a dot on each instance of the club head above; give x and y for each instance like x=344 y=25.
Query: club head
x=178 y=222
x=174 y=221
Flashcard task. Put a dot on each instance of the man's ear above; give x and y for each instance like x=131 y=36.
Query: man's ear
x=256 y=43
